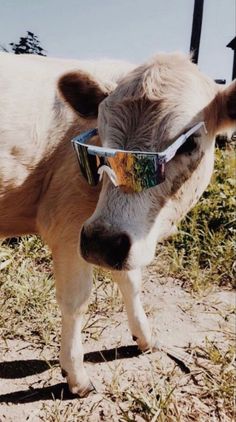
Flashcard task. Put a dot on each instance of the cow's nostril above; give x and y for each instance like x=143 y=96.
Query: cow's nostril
x=98 y=247
x=121 y=242
x=117 y=250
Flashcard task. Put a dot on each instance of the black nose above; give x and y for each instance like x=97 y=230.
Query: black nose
x=104 y=249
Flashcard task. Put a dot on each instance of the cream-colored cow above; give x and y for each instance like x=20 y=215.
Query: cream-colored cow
x=42 y=190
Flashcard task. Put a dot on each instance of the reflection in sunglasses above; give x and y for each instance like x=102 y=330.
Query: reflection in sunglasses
x=133 y=171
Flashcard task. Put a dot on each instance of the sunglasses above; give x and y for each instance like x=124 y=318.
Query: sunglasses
x=133 y=171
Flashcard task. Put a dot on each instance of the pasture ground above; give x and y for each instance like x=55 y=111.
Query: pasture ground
x=188 y=296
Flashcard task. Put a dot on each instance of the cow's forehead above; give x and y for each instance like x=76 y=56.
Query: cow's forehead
x=158 y=99
x=164 y=76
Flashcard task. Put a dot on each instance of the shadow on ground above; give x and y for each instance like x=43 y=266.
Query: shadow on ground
x=23 y=368
x=57 y=391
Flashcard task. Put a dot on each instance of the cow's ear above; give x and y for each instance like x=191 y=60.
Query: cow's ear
x=230 y=101
x=82 y=93
x=223 y=109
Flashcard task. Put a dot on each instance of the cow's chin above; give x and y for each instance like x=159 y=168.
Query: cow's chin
x=99 y=262
x=141 y=254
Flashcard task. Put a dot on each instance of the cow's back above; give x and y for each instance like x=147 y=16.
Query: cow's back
x=33 y=121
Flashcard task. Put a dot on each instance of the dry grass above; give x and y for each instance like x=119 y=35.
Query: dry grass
x=206 y=394
x=27 y=290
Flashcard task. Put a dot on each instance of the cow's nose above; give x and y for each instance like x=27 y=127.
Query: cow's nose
x=104 y=249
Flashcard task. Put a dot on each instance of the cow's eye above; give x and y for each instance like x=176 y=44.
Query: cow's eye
x=189 y=146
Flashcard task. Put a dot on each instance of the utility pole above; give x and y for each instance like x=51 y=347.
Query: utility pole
x=232 y=45
x=196 y=29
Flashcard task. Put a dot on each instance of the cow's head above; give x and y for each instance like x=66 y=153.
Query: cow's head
x=147 y=111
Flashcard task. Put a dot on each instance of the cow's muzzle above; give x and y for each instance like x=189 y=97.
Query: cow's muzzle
x=101 y=248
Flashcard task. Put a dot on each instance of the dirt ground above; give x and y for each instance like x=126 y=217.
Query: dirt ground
x=174 y=383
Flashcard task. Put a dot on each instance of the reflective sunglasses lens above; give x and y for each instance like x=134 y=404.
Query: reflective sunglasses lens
x=136 y=172
x=88 y=165
x=131 y=172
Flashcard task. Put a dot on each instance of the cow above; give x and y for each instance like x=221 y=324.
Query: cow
x=44 y=103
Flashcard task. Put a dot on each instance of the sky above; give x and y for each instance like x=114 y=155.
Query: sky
x=132 y=30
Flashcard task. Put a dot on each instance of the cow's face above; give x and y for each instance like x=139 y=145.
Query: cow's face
x=147 y=111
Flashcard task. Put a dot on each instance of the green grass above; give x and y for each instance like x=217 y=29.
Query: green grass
x=203 y=251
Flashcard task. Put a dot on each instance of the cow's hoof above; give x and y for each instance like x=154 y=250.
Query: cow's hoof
x=143 y=346
x=84 y=391
x=76 y=389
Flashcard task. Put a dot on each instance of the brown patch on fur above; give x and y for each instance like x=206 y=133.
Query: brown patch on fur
x=16 y=151
x=82 y=93
x=192 y=166
x=185 y=175
x=161 y=201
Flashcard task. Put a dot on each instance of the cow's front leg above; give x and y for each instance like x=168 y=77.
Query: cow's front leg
x=130 y=285
x=73 y=286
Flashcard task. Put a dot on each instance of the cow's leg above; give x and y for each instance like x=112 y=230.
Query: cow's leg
x=129 y=283
x=73 y=286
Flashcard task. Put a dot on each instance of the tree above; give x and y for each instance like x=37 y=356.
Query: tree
x=27 y=45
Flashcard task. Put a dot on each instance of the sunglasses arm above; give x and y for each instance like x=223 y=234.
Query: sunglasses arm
x=170 y=152
x=86 y=136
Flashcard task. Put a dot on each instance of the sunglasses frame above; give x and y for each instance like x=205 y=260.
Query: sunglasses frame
x=165 y=155
x=161 y=158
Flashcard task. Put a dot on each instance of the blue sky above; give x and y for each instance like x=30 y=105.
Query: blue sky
x=123 y=29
